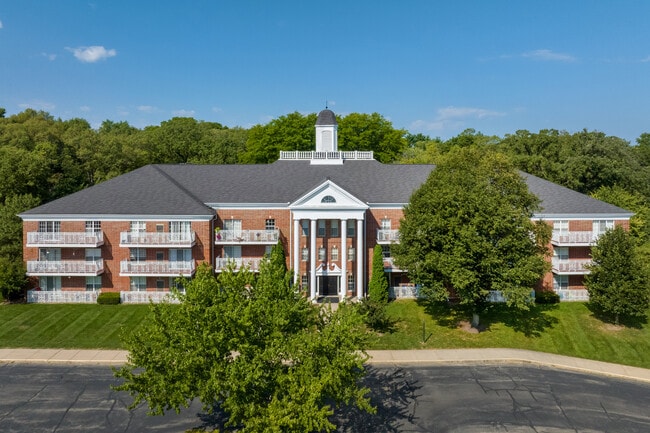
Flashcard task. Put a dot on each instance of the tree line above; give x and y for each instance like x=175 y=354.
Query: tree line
x=43 y=158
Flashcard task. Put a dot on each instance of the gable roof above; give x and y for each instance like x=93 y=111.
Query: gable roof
x=192 y=190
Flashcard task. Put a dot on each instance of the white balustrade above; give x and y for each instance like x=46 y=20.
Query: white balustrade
x=165 y=268
x=253 y=263
x=61 y=297
x=65 y=239
x=146 y=297
x=158 y=239
x=573 y=238
x=65 y=267
x=246 y=236
x=580 y=295
x=571 y=266
x=387 y=236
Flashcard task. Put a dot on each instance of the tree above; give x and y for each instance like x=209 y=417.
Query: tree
x=371 y=132
x=378 y=284
x=260 y=353
x=468 y=230
x=618 y=284
x=12 y=277
x=11 y=226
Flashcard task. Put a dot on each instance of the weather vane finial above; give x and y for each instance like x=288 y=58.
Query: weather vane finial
x=326 y=103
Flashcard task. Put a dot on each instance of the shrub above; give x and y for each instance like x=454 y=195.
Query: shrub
x=375 y=316
x=547 y=297
x=108 y=298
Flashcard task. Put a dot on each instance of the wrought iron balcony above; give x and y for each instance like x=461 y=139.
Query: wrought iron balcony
x=253 y=263
x=88 y=268
x=65 y=239
x=570 y=266
x=242 y=237
x=158 y=239
x=387 y=236
x=164 y=268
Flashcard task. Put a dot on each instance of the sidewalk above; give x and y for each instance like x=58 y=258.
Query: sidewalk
x=377 y=357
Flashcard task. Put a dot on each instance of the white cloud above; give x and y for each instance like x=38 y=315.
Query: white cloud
x=92 y=54
x=0 y=24
x=50 y=57
x=548 y=56
x=217 y=110
x=453 y=118
x=38 y=105
x=183 y=113
x=85 y=108
x=646 y=60
x=146 y=108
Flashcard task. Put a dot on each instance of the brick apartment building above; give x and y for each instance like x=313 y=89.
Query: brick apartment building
x=137 y=233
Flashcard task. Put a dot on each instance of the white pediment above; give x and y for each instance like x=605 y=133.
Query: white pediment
x=329 y=198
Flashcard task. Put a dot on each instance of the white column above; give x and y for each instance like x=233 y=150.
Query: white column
x=296 y=251
x=344 y=260
x=360 y=246
x=312 y=259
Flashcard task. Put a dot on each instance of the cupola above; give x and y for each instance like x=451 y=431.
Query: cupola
x=326 y=132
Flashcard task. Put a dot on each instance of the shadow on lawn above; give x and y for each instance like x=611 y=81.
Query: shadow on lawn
x=531 y=323
x=635 y=322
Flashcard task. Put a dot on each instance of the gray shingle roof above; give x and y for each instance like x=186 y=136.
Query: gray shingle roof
x=185 y=190
x=326 y=117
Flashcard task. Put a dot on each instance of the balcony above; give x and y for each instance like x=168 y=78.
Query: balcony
x=42 y=268
x=387 y=236
x=61 y=297
x=247 y=237
x=158 y=239
x=390 y=266
x=65 y=239
x=164 y=268
x=253 y=263
x=578 y=295
x=568 y=239
x=146 y=297
x=570 y=266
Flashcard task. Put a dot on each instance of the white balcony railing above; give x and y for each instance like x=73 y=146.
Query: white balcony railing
x=570 y=266
x=247 y=236
x=65 y=267
x=389 y=265
x=311 y=155
x=65 y=239
x=146 y=297
x=404 y=291
x=574 y=238
x=573 y=294
x=387 y=236
x=163 y=268
x=253 y=263
x=158 y=239
x=61 y=297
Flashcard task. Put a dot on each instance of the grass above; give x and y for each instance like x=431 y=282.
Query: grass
x=68 y=326
x=567 y=329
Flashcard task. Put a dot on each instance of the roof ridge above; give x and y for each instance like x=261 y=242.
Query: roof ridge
x=177 y=184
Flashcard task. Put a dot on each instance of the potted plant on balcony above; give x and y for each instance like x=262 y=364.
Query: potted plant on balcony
x=217 y=233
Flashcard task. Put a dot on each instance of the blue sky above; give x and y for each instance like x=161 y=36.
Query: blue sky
x=435 y=67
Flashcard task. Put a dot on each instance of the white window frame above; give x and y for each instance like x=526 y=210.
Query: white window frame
x=137 y=254
x=49 y=226
x=351 y=254
x=334 y=228
x=93 y=283
x=50 y=283
x=269 y=224
x=560 y=282
x=322 y=254
x=138 y=284
x=93 y=254
x=334 y=254
x=386 y=224
x=137 y=226
x=351 y=282
x=304 y=254
x=322 y=229
x=561 y=253
x=93 y=226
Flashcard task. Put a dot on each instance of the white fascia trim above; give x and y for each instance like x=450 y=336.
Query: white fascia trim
x=263 y=206
x=584 y=217
x=95 y=217
x=387 y=205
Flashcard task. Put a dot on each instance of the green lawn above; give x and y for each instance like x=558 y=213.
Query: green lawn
x=67 y=326
x=567 y=329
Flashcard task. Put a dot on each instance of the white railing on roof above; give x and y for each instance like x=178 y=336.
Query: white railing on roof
x=61 y=297
x=572 y=294
x=65 y=239
x=146 y=297
x=311 y=155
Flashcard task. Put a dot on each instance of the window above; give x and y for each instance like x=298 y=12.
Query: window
x=321 y=228
x=560 y=282
x=601 y=226
x=160 y=256
x=160 y=284
x=137 y=254
x=305 y=254
x=49 y=226
x=93 y=283
x=177 y=283
x=385 y=251
x=335 y=253
x=351 y=282
x=232 y=251
x=304 y=225
x=93 y=226
x=93 y=254
x=350 y=228
x=180 y=226
x=269 y=224
x=328 y=199
x=334 y=228
x=561 y=253
x=49 y=254
x=160 y=228
x=49 y=284
x=304 y=282
x=561 y=226
x=321 y=254
x=138 y=284
x=351 y=253
x=267 y=250
x=232 y=224
x=180 y=255
x=138 y=226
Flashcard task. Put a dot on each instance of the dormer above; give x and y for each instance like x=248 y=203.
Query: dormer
x=326 y=132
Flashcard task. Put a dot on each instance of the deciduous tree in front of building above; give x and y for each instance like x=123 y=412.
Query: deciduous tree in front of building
x=257 y=352
x=618 y=283
x=469 y=230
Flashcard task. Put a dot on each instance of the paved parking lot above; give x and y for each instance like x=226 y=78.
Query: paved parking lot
x=459 y=398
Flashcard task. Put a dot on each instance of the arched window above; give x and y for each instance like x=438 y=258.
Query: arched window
x=328 y=199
